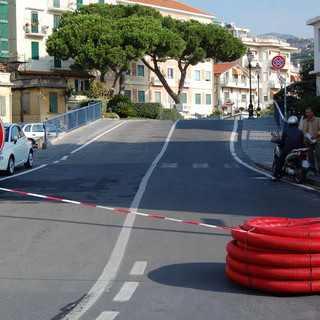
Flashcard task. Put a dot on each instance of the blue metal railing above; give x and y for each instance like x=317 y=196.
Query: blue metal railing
x=280 y=119
x=63 y=123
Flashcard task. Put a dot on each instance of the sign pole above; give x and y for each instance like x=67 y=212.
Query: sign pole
x=278 y=62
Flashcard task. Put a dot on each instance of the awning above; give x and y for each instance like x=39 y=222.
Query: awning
x=237 y=72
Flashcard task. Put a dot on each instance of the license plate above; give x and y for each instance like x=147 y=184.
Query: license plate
x=305 y=163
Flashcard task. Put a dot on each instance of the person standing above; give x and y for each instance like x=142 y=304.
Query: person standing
x=311 y=131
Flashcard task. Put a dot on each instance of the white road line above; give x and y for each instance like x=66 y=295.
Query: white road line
x=235 y=156
x=24 y=172
x=97 y=137
x=126 y=291
x=138 y=268
x=111 y=269
x=108 y=315
x=64 y=158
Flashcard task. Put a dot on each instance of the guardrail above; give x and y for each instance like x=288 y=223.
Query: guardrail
x=278 y=116
x=61 y=124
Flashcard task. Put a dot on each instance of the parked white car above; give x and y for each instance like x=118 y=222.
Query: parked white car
x=35 y=131
x=17 y=149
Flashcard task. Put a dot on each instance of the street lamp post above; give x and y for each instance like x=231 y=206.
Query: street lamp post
x=258 y=69
x=250 y=108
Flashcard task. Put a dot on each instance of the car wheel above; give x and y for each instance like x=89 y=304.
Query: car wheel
x=10 y=167
x=30 y=160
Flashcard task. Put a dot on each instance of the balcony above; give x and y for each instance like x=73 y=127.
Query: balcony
x=273 y=84
x=39 y=82
x=35 y=29
x=57 y=64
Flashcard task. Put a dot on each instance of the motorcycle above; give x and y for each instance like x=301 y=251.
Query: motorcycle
x=296 y=163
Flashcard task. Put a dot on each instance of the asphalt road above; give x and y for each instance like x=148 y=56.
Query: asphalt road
x=69 y=261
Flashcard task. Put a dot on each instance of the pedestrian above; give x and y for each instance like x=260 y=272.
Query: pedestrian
x=311 y=131
x=291 y=138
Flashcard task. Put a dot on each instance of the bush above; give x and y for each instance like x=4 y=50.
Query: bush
x=171 y=114
x=150 y=110
x=310 y=101
x=121 y=105
x=111 y=115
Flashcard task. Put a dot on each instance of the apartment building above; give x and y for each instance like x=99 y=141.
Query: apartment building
x=197 y=96
x=232 y=88
x=315 y=22
x=40 y=83
x=264 y=49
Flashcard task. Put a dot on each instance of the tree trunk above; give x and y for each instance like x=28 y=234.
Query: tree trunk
x=155 y=69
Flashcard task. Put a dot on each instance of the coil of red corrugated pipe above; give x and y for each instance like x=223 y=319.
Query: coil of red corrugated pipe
x=277 y=255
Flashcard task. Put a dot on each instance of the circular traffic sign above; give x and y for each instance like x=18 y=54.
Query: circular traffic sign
x=2 y=134
x=278 y=62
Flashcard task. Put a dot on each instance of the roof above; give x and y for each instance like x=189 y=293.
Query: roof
x=170 y=4
x=223 y=67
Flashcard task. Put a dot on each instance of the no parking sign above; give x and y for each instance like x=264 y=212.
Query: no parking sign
x=278 y=62
x=2 y=133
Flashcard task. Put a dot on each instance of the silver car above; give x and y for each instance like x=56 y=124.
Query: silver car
x=35 y=131
x=17 y=149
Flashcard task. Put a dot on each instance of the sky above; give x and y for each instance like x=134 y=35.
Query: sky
x=263 y=16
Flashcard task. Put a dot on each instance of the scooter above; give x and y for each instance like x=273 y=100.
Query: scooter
x=296 y=164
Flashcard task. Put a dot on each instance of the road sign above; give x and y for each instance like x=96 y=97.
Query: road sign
x=278 y=62
x=2 y=133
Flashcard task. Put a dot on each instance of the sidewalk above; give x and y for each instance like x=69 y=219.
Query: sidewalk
x=256 y=144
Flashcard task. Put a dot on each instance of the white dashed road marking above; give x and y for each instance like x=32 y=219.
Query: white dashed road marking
x=126 y=291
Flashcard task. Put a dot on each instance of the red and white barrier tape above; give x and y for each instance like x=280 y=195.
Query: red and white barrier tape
x=114 y=209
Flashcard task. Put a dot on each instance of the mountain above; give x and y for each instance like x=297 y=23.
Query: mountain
x=280 y=35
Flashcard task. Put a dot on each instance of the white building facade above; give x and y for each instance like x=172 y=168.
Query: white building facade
x=315 y=22
x=31 y=22
x=264 y=49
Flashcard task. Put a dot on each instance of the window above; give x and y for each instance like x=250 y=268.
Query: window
x=81 y=85
x=197 y=75
x=101 y=1
x=141 y=96
x=170 y=73
x=265 y=76
x=79 y=3
x=34 y=22
x=56 y=20
x=56 y=3
x=35 y=50
x=2 y=105
x=53 y=102
x=140 y=70
x=127 y=93
x=26 y=102
x=128 y=73
x=243 y=98
x=208 y=98
x=208 y=75
x=157 y=96
x=56 y=62
x=226 y=95
x=184 y=97
x=197 y=98
x=16 y=132
x=265 y=98
x=170 y=100
x=38 y=128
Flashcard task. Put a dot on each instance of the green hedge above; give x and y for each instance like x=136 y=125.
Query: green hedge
x=150 y=110
x=171 y=114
